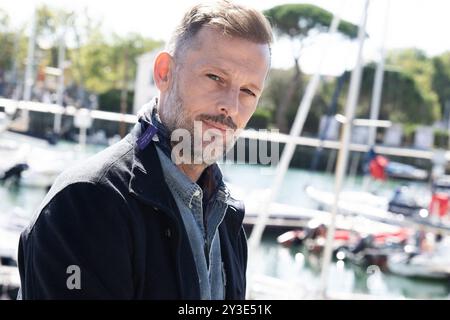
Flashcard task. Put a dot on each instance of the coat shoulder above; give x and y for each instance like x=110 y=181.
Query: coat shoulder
x=106 y=172
x=109 y=164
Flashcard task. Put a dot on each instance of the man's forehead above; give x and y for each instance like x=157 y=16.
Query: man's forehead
x=228 y=52
x=212 y=36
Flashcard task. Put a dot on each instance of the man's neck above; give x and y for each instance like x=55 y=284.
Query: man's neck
x=192 y=171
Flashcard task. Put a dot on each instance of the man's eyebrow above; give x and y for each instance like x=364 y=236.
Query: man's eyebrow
x=255 y=87
x=221 y=70
x=228 y=72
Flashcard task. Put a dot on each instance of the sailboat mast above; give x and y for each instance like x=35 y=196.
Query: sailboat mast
x=378 y=82
x=29 y=72
x=60 y=91
x=341 y=166
x=289 y=149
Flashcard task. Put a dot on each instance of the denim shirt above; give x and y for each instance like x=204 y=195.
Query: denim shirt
x=204 y=238
x=192 y=201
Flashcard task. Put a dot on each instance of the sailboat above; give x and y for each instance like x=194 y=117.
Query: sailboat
x=11 y=224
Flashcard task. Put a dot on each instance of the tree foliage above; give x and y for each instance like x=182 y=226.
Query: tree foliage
x=6 y=42
x=416 y=88
x=103 y=60
x=274 y=93
x=419 y=67
x=4 y=21
x=402 y=99
x=299 y=20
x=441 y=81
x=95 y=59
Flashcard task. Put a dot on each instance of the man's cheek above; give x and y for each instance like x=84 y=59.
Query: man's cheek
x=247 y=116
x=243 y=124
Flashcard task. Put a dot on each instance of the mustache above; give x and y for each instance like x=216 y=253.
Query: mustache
x=221 y=118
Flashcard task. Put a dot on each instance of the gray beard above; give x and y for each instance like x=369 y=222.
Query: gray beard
x=174 y=117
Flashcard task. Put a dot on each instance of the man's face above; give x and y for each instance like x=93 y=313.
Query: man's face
x=216 y=85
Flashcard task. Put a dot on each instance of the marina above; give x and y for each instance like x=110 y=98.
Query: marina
x=292 y=210
x=349 y=205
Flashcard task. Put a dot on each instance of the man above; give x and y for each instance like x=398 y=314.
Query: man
x=150 y=217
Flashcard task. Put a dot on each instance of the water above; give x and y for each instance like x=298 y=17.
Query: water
x=27 y=199
x=294 y=265
x=251 y=177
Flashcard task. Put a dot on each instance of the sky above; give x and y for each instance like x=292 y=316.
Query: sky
x=423 y=24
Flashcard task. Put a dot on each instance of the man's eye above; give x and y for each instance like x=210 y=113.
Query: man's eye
x=249 y=92
x=213 y=77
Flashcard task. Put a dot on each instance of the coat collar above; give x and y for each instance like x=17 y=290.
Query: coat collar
x=147 y=182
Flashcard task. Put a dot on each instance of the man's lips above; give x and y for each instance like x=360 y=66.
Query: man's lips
x=217 y=125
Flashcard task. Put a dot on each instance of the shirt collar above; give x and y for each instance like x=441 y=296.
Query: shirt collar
x=178 y=182
x=211 y=179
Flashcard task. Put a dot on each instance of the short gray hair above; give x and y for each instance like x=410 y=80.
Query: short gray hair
x=230 y=19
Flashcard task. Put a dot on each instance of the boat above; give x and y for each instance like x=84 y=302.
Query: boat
x=11 y=224
x=374 y=249
x=399 y=170
x=31 y=162
x=359 y=240
x=406 y=201
x=4 y=121
x=292 y=238
x=381 y=168
x=419 y=266
x=434 y=264
x=354 y=203
x=342 y=239
x=281 y=216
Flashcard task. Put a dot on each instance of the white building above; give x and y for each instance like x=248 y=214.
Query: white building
x=144 y=88
x=424 y=138
x=393 y=135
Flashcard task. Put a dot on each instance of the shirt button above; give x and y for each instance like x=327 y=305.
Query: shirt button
x=196 y=193
x=168 y=233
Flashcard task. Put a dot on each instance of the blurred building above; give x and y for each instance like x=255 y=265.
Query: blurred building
x=393 y=135
x=424 y=138
x=145 y=88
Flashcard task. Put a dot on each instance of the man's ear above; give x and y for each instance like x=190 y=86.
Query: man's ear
x=162 y=71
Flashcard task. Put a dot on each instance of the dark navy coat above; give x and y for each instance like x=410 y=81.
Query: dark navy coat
x=115 y=219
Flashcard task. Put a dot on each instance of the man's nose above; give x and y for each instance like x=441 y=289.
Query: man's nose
x=230 y=103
